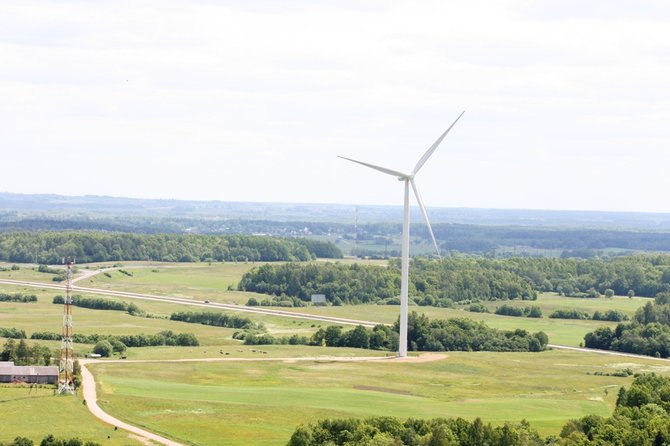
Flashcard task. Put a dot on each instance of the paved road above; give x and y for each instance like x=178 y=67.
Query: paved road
x=193 y=302
x=604 y=352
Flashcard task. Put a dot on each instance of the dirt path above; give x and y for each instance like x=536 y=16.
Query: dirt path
x=91 y=402
x=604 y=352
x=86 y=273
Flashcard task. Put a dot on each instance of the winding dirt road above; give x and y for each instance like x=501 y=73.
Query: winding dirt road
x=90 y=397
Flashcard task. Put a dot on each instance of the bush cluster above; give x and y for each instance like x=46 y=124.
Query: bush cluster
x=18 y=297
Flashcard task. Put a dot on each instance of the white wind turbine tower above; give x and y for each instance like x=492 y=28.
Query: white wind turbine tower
x=408 y=178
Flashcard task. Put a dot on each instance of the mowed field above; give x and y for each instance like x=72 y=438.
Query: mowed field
x=241 y=403
x=252 y=398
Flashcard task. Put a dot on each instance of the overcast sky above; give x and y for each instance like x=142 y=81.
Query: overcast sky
x=567 y=102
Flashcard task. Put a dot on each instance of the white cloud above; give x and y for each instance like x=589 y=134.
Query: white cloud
x=252 y=101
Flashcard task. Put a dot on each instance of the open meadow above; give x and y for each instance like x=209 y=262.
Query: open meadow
x=239 y=403
x=257 y=395
x=37 y=412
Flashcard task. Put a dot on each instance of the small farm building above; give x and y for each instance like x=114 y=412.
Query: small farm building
x=10 y=373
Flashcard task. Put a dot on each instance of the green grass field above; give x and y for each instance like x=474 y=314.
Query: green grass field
x=37 y=412
x=549 y=302
x=45 y=316
x=261 y=402
x=238 y=403
x=560 y=331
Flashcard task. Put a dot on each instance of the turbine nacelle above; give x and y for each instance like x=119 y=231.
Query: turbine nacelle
x=409 y=178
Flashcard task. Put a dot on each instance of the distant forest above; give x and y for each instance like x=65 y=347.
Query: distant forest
x=444 y=282
x=376 y=239
x=52 y=247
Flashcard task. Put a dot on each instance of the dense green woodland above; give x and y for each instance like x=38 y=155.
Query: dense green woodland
x=640 y=419
x=52 y=247
x=443 y=282
x=648 y=333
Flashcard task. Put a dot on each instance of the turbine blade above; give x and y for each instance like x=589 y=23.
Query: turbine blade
x=432 y=148
x=395 y=173
x=425 y=216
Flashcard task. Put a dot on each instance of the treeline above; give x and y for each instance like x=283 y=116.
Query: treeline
x=12 y=333
x=381 y=337
x=508 y=310
x=444 y=282
x=390 y=431
x=214 y=319
x=422 y=335
x=96 y=303
x=22 y=354
x=647 y=334
x=50 y=440
x=462 y=334
x=18 y=297
x=640 y=418
x=52 y=247
x=165 y=337
x=609 y=315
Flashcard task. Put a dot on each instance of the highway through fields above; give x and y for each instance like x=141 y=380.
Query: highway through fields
x=192 y=302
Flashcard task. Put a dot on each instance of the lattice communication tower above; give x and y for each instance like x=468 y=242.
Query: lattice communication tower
x=66 y=368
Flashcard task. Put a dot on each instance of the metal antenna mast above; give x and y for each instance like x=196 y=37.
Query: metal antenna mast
x=66 y=369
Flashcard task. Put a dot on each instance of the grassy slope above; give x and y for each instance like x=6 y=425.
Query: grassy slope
x=235 y=403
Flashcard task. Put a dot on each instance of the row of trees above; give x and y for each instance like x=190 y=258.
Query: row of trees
x=165 y=337
x=509 y=310
x=52 y=247
x=535 y=311
x=96 y=303
x=443 y=282
x=214 y=319
x=640 y=419
x=18 y=297
x=422 y=335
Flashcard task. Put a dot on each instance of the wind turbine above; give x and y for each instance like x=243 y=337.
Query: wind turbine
x=408 y=178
